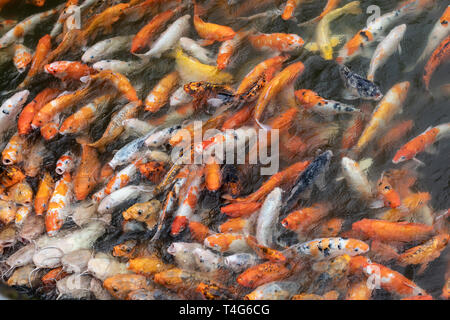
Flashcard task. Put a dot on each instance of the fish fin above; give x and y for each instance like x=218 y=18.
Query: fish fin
x=399 y=49
x=376 y=204
x=420 y=163
x=431 y=149
x=205 y=42
x=336 y=40
x=320 y=181
x=347 y=95
x=85 y=79
x=365 y=164
x=312 y=46
x=422 y=268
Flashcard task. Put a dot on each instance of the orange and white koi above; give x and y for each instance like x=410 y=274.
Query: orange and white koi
x=264 y=252
x=327 y=248
x=391 y=104
x=160 y=94
x=59 y=204
x=21 y=214
x=356 y=177
x=188 y=203
x=375 y=29
x=43 y=194
x=385 y=49
x=227 y=49
x=281 y=80
x=65 y=70
x=392 y=231
x=390 y=195
x=281 y=42
x=227 y=243
x=21 y=194
x=26 y=26
x=237 y=225
x=122 y=178
x=22 y=57
x=289 y=8
x=14 y=150
x=388 y=279
x=66 y=163
x=425 y=253
x=86 y=115
x=310 y=100
x=421 y=142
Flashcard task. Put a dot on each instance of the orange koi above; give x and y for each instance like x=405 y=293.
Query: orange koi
x=289 y=9
x=160 y=94
x=396 y=133
x=21 y=193
x=241 y=209
x=331 y=228
x=43 y=48
x=10 y=176
x=44 y=193
x=87 y=174
x=305 y=219
x=421 y=142
x=261 y=70
x=148 y=265
x=227 y=49
x=30 y=110
x=359 y=291
x=126 y=249
x=236 y=225
x=213 y=176
x=226 y=242
x=383 y=252
x=199 y=232
x=120 y=285
x=66 y=70
x=425 y=253
x=264 y=273
x=331 y=5
x=211 y=32
x=390 y=196
x=50 y=130
x=239 y=118
x=281 y=80
x=286 y=176
x=153 y=171
x=440 y=55
x=54 y=275
x=392 y=231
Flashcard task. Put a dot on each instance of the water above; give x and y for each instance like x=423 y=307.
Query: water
x=323 y=77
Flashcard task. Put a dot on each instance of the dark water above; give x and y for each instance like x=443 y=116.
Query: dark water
x=322 y=76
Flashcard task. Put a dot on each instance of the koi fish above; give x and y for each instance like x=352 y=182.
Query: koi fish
x=9 y=110
x=305 y=219
x=396 y=133
x=284 y=78
x=281 y=42
x=199 y=232
x=390 y=196
x=376 y=29
x=389 y=280
x=43 y=194
x=358 y=87
x=324 y=42
x=197 y=51
x=66 y=163
x=328 y=248
x=312 y=101
x=385 y=49
x=331 y=5
x=22 y=57
x=392 y=231
x=421 y=142
x=106 y=48
x=86 y=115
x=391 y=104
x=264 y=252
x=425 y=253
x=87 y=174
x=59 y=204
x=147 y=212
x=119 y=81
x=26 y=26
x=65 y=70
x=266 y=272
x=314 y=173
x=278 y=290
x=145 y=35
x=43 y=48
x=129 y=193
x=13 y=152
x=211 y=32
x=190 y=69
x=160 y=94
x=437 y=34
x=356 y=177
x=168 y=38
x=289 y=9
x=439 y=56
x=268 y=217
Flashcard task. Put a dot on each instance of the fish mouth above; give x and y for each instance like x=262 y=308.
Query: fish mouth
x=7 y=161
x=59 y=171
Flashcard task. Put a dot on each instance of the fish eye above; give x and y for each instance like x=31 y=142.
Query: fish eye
x=139 y=212
x=356 y=249
x=115 y=289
